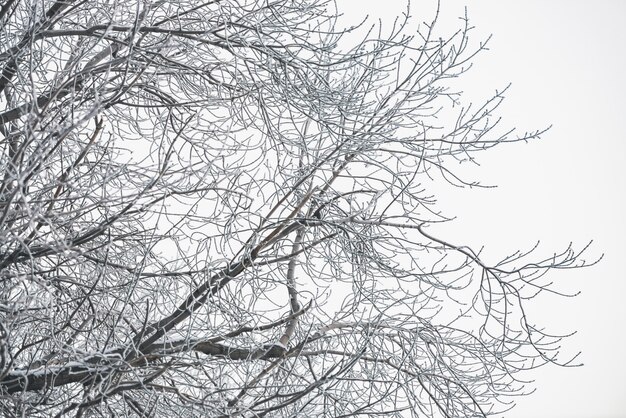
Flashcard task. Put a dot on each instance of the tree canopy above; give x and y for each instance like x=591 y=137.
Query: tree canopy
x=220 y=208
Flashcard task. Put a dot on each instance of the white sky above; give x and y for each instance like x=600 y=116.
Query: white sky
x=567 y=62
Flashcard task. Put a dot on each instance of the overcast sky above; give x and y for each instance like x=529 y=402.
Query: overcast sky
x=566 y=61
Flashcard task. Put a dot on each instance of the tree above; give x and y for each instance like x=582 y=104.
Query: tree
x=218 y=209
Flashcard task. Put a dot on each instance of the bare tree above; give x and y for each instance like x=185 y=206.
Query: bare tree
x=216 y=208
